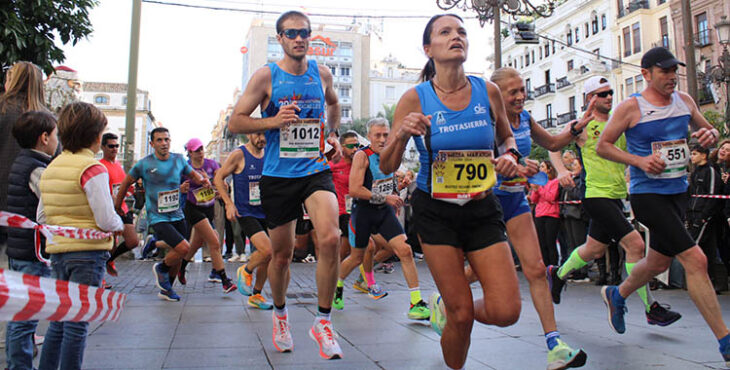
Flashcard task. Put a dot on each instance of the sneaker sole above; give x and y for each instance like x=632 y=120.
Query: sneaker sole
x=265 y=308
x=606 y=301
x=419 y=318
x=167 y=298
x=335 y=356
x=157 y=279
x=241 y=284
x=230 y=289
x=663 y=323
x=377 y=298
x=360 y=289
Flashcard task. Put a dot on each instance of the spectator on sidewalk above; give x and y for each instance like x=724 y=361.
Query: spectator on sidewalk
x=547 y=214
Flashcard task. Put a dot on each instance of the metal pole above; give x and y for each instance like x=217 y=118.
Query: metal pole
x=132 y=86
x=497 y=38
x=689 y=49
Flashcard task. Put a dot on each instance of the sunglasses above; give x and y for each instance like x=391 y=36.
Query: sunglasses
x=112 y=146
x=293 y=32
x=351 y=146
x=605 y=93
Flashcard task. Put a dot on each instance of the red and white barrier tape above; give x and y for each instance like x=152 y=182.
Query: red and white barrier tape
x=26 y=297
x=570 y=202
x=710 y=196
x=10 y=219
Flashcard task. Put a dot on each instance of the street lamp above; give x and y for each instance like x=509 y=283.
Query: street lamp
x=485 y=8
x=721 y=73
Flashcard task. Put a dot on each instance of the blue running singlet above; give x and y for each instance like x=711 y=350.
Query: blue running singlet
x=523 y=140
x=306 y=90
x=664 y=130
x=470 y=129
x=247 y=196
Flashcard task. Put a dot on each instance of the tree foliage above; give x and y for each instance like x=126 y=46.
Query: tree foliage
x=30 y=28
x=717 y=121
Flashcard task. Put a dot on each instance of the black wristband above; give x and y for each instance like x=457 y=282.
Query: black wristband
x=573 y=131
x=331 y=130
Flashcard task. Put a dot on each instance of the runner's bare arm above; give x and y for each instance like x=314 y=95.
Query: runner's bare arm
x=357 y=175
x=330 y=97
x=257 y=94
x=565 y=177
x=704 y=132
x=233 y=164
x=408 y=120
x=625 y=115
x=506 y=164
x=553 y=143
x=126 y=183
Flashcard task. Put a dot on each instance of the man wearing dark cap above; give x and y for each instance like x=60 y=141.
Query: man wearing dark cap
x=656 y=122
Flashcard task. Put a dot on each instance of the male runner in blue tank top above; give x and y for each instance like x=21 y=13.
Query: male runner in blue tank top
x=245 y=164
x=373 y=213
x=296 y=97
x=656 y=123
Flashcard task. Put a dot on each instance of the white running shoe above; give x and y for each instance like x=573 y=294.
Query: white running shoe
x=323 y=334
x=282 y=334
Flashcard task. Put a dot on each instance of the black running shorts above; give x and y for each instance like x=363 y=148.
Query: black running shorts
x=171 y=233
x=195 y=214
x=663 y=215
x=344 y=225
x=282 y=198
x=473 y=226
x=369 y=220
x=252 y=225
x=607 y=219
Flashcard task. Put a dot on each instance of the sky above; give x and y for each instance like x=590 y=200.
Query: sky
x=190 y=60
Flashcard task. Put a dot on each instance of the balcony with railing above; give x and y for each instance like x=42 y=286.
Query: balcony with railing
x=566 y=117
x=703 y=38
x=544 y=89
x=562 y=82
x=547 y=122
x=530 y=95
x=704 y=95
x=633 y=6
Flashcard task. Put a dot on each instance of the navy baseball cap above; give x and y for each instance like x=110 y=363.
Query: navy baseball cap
x=660 y=57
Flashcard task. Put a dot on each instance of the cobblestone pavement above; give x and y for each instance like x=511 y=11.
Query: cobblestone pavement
x=210 y=330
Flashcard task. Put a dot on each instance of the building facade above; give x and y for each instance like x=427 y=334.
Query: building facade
x=389 y=80
x=223 y=142
x=640 y=25
x=111 y=99
x=707 y=49
x=576 y=44
x=345 y=49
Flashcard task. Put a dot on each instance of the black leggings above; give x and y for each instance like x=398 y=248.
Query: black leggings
x=230 y=237
x=547 y=234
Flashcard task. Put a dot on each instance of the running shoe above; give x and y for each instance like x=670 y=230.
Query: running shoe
x=360 y=286
x=149 y=246
x=338 y=303
x=323 y=334
x=214 y=277
x=228 y=285
x=419 y=311
x=207 y=259
x=556 y=284
x=162 y=280
x=726 y=355
x=616 y=308
x=258 y=301
x=169 y=295
x=564 y=357
x=660 y=314
x=438 y=312
x=227 y=256
x=282 y=334
x=181 y=276
x=244 y=280
x=384 y=267
x=376 y=292
x=111 y=268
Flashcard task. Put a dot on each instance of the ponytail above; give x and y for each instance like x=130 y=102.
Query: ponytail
x=428 y=71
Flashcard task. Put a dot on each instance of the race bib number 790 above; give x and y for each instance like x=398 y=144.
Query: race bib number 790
x=462 y=174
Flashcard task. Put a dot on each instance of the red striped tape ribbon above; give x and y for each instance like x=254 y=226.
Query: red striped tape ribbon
x=27 y=297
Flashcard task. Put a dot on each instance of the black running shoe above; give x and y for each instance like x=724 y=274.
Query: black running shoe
x=660 y=314
x=181 y=277
x=556 y=284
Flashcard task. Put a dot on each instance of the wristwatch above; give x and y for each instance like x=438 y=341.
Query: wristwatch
x=331 y=130
x=518 y=157
x=573 y=131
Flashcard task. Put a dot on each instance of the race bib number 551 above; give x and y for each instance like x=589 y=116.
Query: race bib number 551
x=301 y=139
x=462 y=174
x=675 y=154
